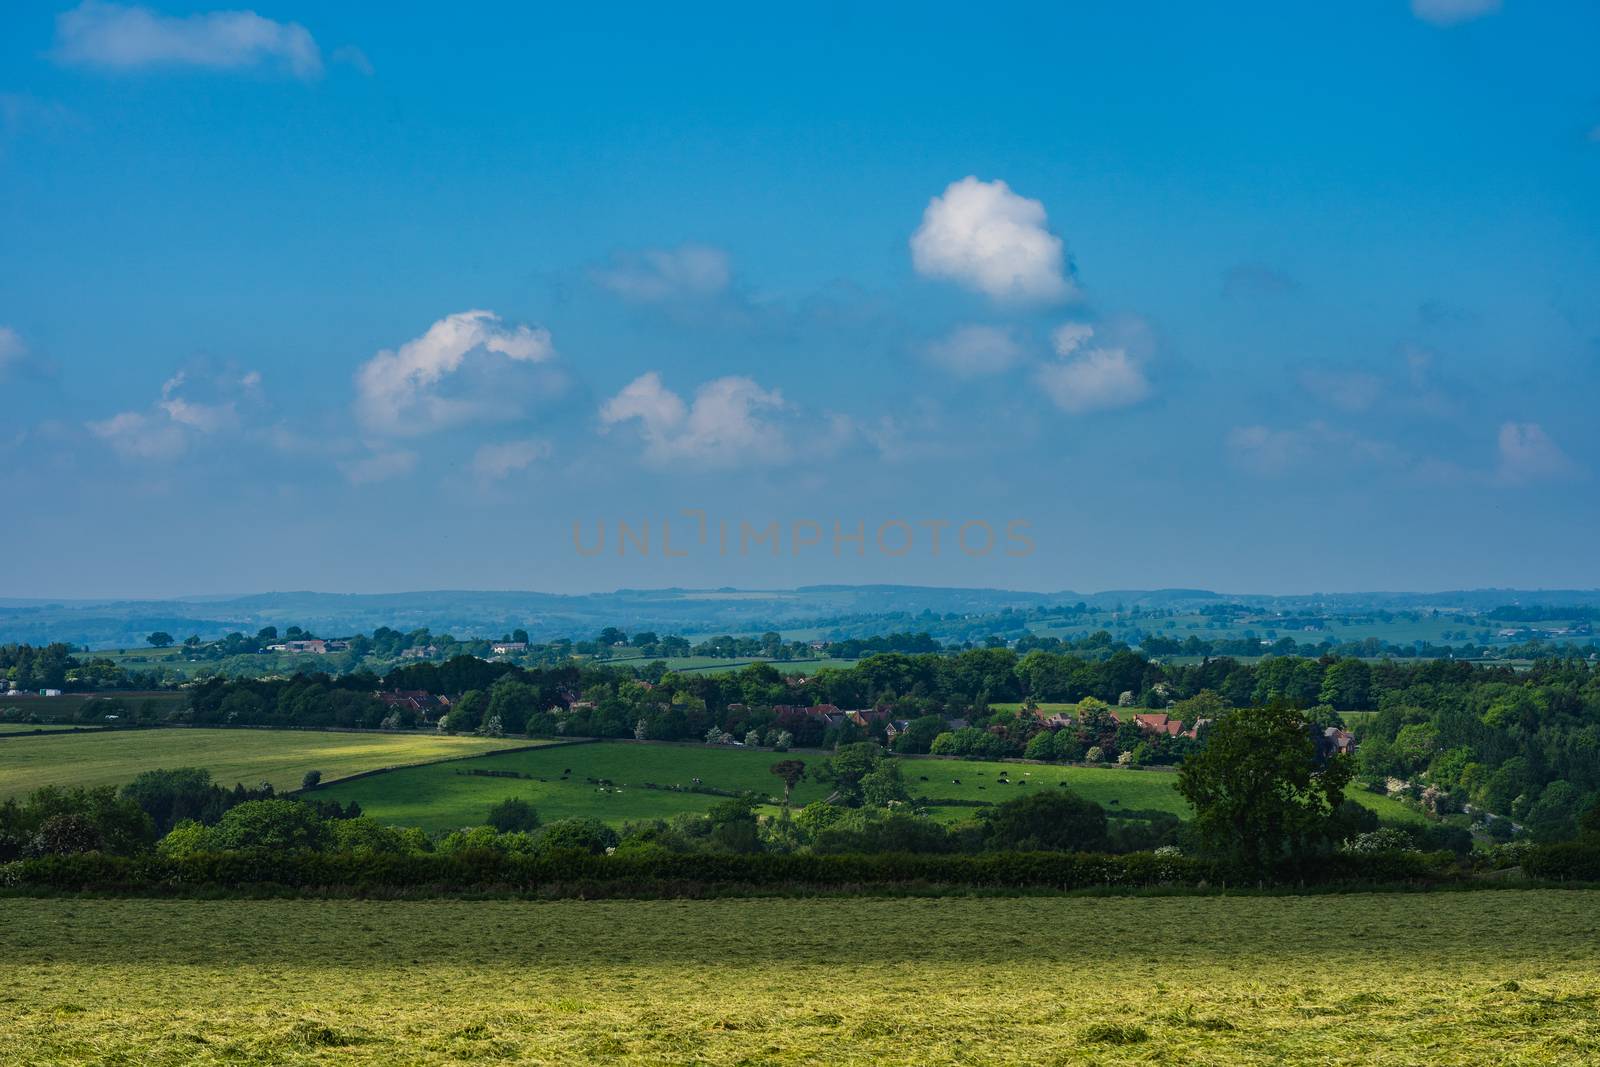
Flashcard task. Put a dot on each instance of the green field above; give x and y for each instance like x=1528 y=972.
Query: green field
x=1371 y=979
x=444 y=797
x=281 y=757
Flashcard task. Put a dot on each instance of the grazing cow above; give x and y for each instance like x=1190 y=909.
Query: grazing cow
x=955 y=781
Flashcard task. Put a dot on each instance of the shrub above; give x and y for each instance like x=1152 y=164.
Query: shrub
x=577 y=835
x=311 y=780
x=513 y=814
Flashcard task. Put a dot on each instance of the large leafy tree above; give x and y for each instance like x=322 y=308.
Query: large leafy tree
x=1260 y=793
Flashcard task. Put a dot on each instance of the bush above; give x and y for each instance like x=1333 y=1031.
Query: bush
x=513 y=814
x=1571 y=861
x=577 y=835
x=311 y=780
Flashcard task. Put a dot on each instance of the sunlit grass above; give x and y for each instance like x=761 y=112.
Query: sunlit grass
x=1480 y=978
x=281 y=757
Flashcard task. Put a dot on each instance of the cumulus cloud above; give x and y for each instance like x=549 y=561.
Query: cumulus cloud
x=175 y=420
x=660 y=275
x=1451 y=12
x=970 y=351
x=134 y=435
x=12 y=350
x=1527 y=455
x=379 y=466
x=493 y=462
x=397 y=391
x=118 y=37
x=726 y=424
x=1273 y=450
x=1090 y=378
x=983 y=236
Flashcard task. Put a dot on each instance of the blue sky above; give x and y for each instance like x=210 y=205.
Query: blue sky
x=1259 y=297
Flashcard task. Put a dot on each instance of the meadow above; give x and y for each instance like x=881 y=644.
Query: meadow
x=447 y=796
x=282 y=757
x=1439 y=979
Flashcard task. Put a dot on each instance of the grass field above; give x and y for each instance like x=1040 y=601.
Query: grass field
x=442 y=797
x=1438 y=979
x=445 y=796
x=281 y=757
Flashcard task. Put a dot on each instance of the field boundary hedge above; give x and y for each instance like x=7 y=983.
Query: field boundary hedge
x=677 y=874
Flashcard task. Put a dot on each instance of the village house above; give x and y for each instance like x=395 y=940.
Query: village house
x=314 y=645
x=428 y=708
x=1336 y=742
x=505 y=648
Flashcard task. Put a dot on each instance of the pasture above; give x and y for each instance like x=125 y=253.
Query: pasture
x=1439 y=979
x=450 y=795
x=282 y=757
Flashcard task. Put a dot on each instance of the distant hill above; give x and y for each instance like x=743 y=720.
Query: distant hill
x=121 y=623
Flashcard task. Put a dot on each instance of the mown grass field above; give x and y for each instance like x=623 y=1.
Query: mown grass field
x=281 y=757
x=448 y=796
x=1438 y=979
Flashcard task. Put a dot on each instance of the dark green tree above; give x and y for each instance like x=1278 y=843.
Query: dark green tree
x=791 y=771
x=513 y=814
x=1258 y=790
x=1049 y=820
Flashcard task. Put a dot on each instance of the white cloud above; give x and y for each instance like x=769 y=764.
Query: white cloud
x=1264 y=449
x=660 y=275
x=492 y=462
x=133 y=435
x=1270 y=451
x=121 y=38
x=11 y=349
x=378 y=467
x=1069 y=337
x=970 y=351
x=1093 y=379
x=396 y=390
x=1527 y=454
x=1451 y=12
x=984 y=236
x=166 y=430
x=723 y=426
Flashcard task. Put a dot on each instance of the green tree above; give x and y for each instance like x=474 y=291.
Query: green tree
x=1258 y=790
x=883 y=785
x=160 y=639
x=1049 y=820
x=792 y=772
x=276 y=824
x=311 y=779
x=581 y=835
x=513 y=814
